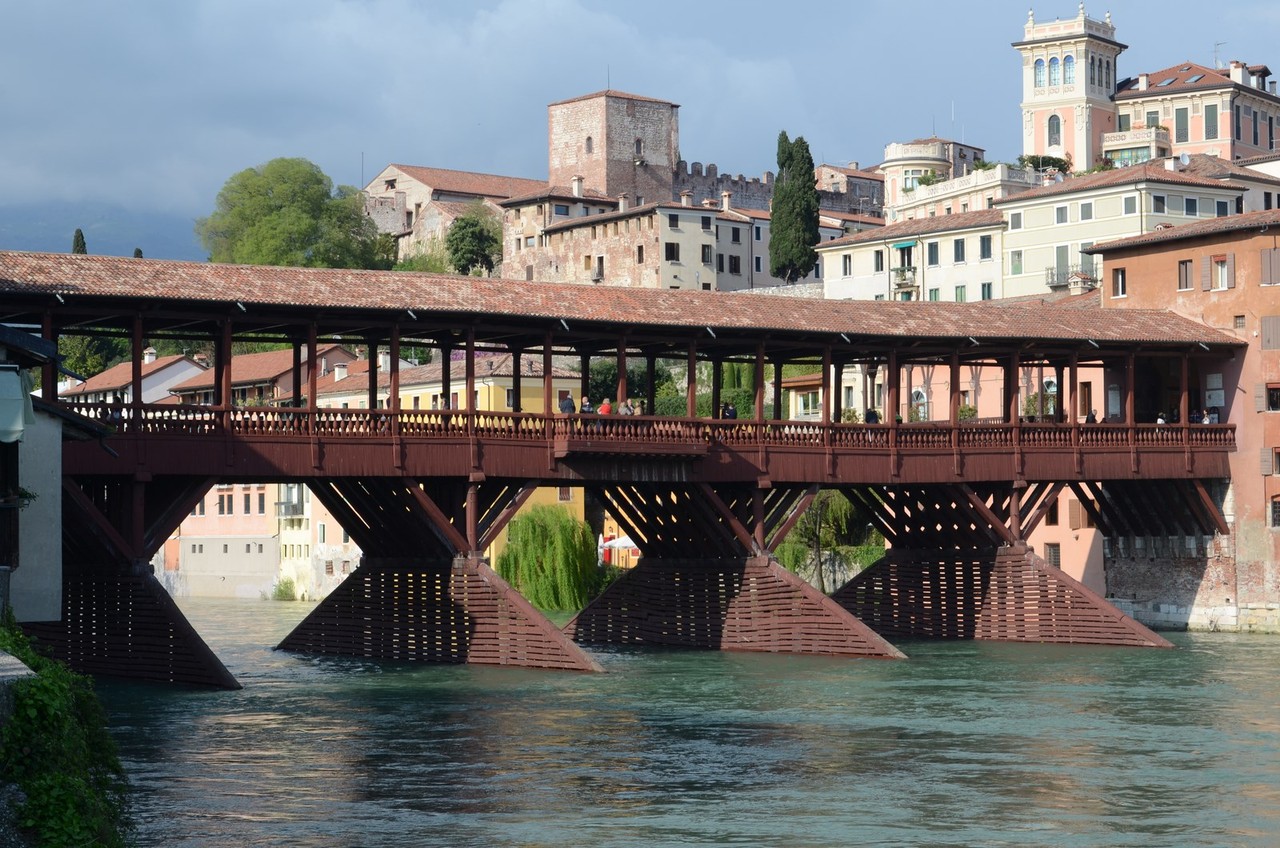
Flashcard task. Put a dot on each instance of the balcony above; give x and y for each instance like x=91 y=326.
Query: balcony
x=1071 y=276
x=903 y=277
x=1151 y=138
x=288 y=509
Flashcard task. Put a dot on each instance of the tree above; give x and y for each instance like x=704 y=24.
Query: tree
x=431 y=258
x=550 y=558
x=137 y=253
x=831 y=539
x=286 y=212
x=89 y=355
x=77 y=242
x=794 y=228
x=475 y=240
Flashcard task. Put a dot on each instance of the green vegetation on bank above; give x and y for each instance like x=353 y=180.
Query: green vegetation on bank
x=55 y=747
x=550 y=558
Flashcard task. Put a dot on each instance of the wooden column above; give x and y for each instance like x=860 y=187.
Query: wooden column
x=777 y=390
x=650 y=376
x=909 y=395
x=222 y=392
x=622 y=370
x=373 y=373
x=295 y=374
x=446 y=375
x=1184 y=400
x=759 y=381
x=516 y=406
x=954 y=379
x=826 y=383
x=1058 y=405
x=49 y=370
x=135 y=388
x=691 y=382
x=716 y=378
x=548 y=386
x=837 y=391
x=393 y=399
x=584 y=364
x=891 y=378
x=312 y=376
x=473 y=514
x=469 y=404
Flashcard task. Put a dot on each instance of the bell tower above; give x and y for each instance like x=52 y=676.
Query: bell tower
x=1069 y=77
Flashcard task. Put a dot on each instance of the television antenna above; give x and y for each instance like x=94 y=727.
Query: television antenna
x=1217 y=63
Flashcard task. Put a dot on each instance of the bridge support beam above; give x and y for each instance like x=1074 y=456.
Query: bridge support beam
x=739 y=604
x=1007 y=594
x=457 y=611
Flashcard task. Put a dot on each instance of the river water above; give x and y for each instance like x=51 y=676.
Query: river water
x=963 y=744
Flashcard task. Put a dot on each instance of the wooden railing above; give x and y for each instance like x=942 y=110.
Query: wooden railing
x=175 y=420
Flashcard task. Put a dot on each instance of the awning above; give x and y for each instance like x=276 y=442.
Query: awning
x=903 y=244
x=13 y=405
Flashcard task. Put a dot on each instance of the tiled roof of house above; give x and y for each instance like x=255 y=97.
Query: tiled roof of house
x=487 y=365
x=1185 y=76
x=1147 y=172
x=609 y=92
x=1217 y=168
x=456 y=298
x=120 y=376
x=1260 y=159
x=1204 y=227
x=634 y=211
x=252 y=368
x=556 y=192
x=921 y=227
x=469 y=182
x=860 y=173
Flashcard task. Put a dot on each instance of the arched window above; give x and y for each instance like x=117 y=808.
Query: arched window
x=1093 y=71
x=639 y=147
x=1054 y=78
x=1069 y=70
x=1039 y=73
x=919 y=405
x=589 y=145
x=1055 y=131
x=1108 y=79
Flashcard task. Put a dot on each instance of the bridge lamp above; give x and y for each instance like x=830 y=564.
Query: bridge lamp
x=1092 y=342
x=241 y=305
x=973 y=341
x=565 y=324
x=412 y=317
x=1203 y=345
x=710 y=332
x=846 y=338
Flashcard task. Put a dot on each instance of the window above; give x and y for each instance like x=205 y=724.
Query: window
x=1122 y=123
x=320 y=530
x=1015 y=262
x=846 y=265
x=735 y=264
x=1015 y=220
x=1068 y=70
x=706 y=254
x=1191 y=206
x=1181 y=126
x=986 y=291
x=1060 y=214
x=1053 y=554
x=1210 y=121
x=1222 y=208
x=878 y=260
x=706 y=222
x=673 y=221
x=248 y=503
x=960 y=297
x=735 y=235
x=719 y=263
x=639 y=254
x=673 y=251
x=1055 y=73
x=935 y=294
x=1055 y=131
x=984 y=247
x=1086 y=211
x=588 y=146
x=957 y=251
x=1273 y=397
x=1118 y=287
x=1158 y=204
x=759 y=265
x=639 y=147
x=931 y=253
x=1130 y=205
x=1275 y=511
x=1184 y=275
x=1238 y=322
x=1039 y=78
x=1221 y=272
x=511 y=398
x=1153 y=120
x=759 y=233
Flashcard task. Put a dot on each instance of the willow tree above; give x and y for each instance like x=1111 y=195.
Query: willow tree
x=550 y=558
x=828 y=541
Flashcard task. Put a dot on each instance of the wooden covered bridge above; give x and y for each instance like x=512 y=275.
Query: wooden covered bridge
x=424 y=491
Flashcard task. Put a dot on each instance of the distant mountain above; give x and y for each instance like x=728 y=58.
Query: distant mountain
x=108 y=230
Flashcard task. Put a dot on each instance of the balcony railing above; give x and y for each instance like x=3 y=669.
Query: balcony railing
x=903 y=276
x=1078 y=275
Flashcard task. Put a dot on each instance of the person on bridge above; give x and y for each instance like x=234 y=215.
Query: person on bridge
x=1092 y=417
x=586 y=408
x=566 y=405
x=626 y=408
x=873 y=417
x=605 y=407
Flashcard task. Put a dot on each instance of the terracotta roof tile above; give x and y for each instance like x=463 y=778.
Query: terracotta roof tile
x=251 y=368
x=1148 y=172
x=1185 y=76
x=609 y=92
x=120 y=376
x=453 y=298
x=1204 y=227
x=550 y=192
x=469 y=182
x=432 y=372
x=922 y=226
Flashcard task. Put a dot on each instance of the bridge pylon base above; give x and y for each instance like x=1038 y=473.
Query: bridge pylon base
x=457 y=611
x=124 y=624
x=750 y=604
x=1006 y=594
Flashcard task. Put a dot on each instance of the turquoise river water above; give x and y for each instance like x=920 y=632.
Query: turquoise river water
x=963 y=744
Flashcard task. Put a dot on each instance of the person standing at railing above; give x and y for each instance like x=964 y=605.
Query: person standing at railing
x=625 y=408
x=586 y=408
x=1092 y=417
x=566 y=405
x=605 y=407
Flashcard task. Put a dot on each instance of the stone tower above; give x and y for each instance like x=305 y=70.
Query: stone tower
x=1069 y=75
x=617 y=142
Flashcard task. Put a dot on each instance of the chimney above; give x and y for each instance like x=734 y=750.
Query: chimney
x=148 y=356
x=686 y=198
x=577 y=185
x=1144 y=82
x=200 y=359
x=853 y=166
x=1238 y=71
x=1271 y=87
x=724 y=200
x=384 y=360
x=340 y=372
x=624 y=200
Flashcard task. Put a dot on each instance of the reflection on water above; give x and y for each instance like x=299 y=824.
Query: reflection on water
x=963 y=744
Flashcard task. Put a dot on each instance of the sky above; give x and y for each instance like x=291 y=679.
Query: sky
x=149 y=106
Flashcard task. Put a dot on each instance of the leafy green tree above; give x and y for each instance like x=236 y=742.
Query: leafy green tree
x=794 y=227
x=77 y=242
x=137 y=253
x=286 y=212
x=604 y=379
x=831 y=539
x=1042 y=163
x=550 y=558
x=474 y=241
x=89 y=355
x=431 y=258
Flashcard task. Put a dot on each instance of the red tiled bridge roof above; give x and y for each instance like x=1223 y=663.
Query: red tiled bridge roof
x=39 y=276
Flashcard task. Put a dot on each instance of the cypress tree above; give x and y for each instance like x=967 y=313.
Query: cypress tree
x=794 y=226
x=137 y=253
x=77 y=242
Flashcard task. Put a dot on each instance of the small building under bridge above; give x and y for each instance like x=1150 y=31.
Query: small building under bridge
x=706 y=501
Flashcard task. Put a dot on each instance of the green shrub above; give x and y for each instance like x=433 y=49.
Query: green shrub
x=284 y=590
